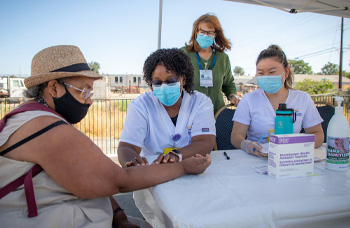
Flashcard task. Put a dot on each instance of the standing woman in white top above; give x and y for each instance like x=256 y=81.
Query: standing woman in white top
x=171 y=118
x=255 y=114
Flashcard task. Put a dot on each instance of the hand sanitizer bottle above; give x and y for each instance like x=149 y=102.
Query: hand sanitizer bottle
x=338 y=140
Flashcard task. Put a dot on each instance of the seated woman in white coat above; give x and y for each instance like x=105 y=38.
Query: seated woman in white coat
x=172 y=121
x=255 y=114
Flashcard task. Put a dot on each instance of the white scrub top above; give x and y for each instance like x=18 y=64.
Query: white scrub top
x=256 y=111
x=148 y=125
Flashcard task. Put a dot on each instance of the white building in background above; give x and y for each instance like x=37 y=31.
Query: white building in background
x=102 y=88
x=127 y=83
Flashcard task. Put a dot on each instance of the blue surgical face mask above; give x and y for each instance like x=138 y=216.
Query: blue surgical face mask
x=167 y=94
x=270 y=84
x=204 y=41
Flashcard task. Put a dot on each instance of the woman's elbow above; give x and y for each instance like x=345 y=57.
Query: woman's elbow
x=235 y=140
x=319 y=138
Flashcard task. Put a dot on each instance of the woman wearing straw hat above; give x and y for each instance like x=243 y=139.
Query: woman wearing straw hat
x=70 y=176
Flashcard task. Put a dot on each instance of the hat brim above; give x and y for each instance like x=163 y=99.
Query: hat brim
x=39 y=79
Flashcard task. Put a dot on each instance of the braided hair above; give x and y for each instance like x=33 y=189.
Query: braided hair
x=174 y=60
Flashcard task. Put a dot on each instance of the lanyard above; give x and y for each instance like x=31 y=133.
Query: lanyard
x=199 y=63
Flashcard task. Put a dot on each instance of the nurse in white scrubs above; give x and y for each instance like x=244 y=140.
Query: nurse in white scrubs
x=172 y=121
x=256 y=112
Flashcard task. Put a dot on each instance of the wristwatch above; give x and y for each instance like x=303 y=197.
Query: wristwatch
x=177 y=153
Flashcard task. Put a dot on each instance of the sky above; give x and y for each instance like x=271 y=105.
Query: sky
x=121 y=34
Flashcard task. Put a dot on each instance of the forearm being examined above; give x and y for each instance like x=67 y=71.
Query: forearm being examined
x=140 y=177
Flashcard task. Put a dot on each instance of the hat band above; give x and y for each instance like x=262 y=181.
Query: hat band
x=73 y=68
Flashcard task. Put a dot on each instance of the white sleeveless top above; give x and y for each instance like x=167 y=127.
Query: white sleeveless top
x=56 y=206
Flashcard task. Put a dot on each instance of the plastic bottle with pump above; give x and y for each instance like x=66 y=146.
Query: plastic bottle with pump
x=338 y=140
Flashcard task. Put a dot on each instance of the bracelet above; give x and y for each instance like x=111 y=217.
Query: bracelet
x=117 y=210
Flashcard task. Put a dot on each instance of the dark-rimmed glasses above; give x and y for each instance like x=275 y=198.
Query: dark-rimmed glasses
x=85 y=93
x=169 y=82
x=208 y=33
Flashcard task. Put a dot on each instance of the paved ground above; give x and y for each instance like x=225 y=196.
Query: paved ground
x=126 y=201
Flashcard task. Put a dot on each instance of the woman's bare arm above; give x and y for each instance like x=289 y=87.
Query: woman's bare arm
x=71 y=159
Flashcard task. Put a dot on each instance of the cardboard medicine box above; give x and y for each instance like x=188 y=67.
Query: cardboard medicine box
x=291 y=155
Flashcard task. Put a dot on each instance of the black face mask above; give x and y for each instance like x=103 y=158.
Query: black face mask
x=69 y=108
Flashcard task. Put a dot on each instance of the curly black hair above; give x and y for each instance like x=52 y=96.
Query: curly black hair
x=174 y=60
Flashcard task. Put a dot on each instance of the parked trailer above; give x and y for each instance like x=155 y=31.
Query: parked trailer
x=11 y=87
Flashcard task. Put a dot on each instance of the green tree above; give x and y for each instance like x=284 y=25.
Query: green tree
x=94 y=66
x=238 y=70
x=330 y=69
x=346 y=74
x=315 y=87
x=300 y=67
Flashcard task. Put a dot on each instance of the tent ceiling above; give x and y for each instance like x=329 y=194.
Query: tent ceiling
x=340 y=8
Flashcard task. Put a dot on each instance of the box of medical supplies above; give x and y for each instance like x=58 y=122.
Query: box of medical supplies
x=291 y=155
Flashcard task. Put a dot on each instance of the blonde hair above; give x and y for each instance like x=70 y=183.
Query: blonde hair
x=275 y=52
x=220 y=42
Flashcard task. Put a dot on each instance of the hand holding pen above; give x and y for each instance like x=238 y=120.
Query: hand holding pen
x=253 y=148
x=259 y=142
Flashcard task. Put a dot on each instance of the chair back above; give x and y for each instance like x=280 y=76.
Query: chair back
x=224 y=126
x=326 y=111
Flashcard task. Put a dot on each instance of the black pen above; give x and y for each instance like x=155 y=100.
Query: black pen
x=227 y=157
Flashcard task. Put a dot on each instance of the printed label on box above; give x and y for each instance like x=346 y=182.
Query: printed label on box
x=291 y=155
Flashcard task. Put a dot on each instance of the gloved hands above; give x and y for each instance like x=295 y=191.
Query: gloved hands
x=253 y=148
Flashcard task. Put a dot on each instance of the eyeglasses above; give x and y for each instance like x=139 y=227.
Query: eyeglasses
x=169 y=82
x=208 y=33
x=85 y=93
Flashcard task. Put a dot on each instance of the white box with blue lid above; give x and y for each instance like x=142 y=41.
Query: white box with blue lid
x=291 y=155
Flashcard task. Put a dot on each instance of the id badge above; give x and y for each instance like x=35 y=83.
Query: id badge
x=168 y=149
x=206 y=78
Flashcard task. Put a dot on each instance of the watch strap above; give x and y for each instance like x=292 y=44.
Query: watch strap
x=177 y=153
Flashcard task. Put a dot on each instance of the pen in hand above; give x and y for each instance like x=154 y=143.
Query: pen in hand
x=227 y=157
x=261 y=138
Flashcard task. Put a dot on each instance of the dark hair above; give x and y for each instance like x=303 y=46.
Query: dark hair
x=35 y=91
x=275 y=52
x=173 y=60
x=220 y=42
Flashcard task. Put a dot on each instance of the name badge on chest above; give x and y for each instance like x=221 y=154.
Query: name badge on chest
x=206 y=78
x=206 y=75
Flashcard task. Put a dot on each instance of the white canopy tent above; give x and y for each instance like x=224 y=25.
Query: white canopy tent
x=339 y=8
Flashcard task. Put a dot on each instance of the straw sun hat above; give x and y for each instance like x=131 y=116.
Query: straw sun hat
x=56 y=62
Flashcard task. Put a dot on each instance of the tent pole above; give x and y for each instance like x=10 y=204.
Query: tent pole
x=160 y=23
x=341 y=55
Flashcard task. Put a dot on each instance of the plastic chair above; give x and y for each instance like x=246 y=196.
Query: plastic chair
x=326 y=111
x=224 y=126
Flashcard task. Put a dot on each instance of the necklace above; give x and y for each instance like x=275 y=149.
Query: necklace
x=41 y=101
